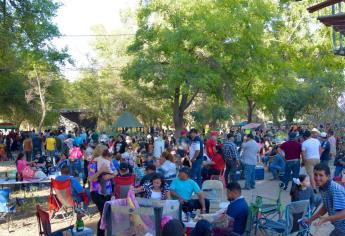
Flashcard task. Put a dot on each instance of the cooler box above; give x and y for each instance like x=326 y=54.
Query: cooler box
x=259 y=173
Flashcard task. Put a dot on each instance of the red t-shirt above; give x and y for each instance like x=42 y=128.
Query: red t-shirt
x=220 y=164
x=292 y=150
x=210 y=144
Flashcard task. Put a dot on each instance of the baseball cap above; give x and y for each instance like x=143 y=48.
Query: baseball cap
x=315 y=130
x=323 y=135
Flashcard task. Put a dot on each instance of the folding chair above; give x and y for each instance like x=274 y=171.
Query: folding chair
x=284 y=226
x=61 y=194
x=219 y=177
x=7 y=209
x=44 y=226
x=214 y=191
x=269 y=206
x=122 y=185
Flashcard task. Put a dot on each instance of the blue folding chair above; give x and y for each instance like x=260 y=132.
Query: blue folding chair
x=294 y=213
x=7 y=209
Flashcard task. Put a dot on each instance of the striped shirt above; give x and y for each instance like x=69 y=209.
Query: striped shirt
x=333 y=198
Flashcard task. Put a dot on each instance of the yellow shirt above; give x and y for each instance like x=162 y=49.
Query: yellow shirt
x=50 y=143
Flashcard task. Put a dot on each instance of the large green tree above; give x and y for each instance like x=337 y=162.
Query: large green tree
x=26 y=30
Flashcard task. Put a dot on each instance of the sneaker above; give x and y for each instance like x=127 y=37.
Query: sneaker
x=246 y=188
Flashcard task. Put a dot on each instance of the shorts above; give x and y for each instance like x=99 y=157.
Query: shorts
x=309 y=166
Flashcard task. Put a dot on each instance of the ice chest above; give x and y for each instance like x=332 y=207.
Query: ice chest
x=259 y=173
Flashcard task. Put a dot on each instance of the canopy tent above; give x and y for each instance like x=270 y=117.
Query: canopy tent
x=251 y=126
x=127 y=120
x=8 y=125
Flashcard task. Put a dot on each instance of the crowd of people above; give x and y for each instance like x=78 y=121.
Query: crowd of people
x=176 y=168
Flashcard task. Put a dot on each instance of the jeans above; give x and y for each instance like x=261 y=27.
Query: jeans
x=230 y=172
x=338 y=170
x=194 y=204
x=195 y=173
x=291 y=166
x=249 y=176
x=76 y=168
x=274 y=170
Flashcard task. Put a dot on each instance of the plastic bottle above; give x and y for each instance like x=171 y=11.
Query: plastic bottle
x=79 y=224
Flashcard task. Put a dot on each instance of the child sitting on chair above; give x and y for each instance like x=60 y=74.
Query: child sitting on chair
x=301 y=190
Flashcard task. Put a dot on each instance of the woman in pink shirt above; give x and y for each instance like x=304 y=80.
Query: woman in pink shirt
x=24 y=169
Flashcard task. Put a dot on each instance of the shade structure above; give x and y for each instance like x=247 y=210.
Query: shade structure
x=127 y=120
x=251 y=126
x=8 y=125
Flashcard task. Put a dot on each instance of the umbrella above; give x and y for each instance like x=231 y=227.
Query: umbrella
x=251 y=126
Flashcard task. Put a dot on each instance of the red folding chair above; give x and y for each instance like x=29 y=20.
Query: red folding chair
x=60 y=199
x=219 y=177
x=44 y=226
x=122 y=185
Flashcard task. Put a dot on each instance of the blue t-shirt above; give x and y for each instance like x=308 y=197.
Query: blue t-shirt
x=326 y=146
x=184 y=188
x=238 y=210
x=76 y=187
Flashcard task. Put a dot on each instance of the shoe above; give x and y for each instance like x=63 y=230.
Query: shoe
x=252 y=187
x=246 y=188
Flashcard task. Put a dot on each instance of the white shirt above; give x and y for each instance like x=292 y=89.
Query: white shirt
x=158 y=147
x=156 y=195
x=194 y=146
x=311 y=147
x=168 y=168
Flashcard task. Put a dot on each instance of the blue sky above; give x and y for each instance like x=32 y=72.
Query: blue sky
x=76 y=17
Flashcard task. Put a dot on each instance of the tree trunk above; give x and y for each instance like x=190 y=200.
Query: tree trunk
x=289 y=119
x=275 y=118
x=41 y=93
x=180 y=103
x=177 y=114
x=250 y=108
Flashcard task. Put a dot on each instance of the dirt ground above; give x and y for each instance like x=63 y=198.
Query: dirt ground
x=25 y=222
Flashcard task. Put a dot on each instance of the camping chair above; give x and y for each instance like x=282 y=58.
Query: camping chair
x=122 y=185
x=214 y=191
x=219 y=177
x=44 y=226
x=7 y=209
x=61 y=198
x=270 y=207
x=284 y=227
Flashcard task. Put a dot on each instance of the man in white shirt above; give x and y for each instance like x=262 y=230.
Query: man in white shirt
x=158 y=146
x=311 y=151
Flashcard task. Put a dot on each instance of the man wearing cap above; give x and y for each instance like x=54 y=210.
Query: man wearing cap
x=325 y=149
x=183 y=188
x=311 y=151
x=196 y=153
x=291 y=152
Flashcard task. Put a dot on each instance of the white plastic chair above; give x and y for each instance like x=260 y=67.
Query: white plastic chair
x=214 y=191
